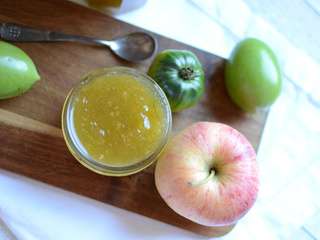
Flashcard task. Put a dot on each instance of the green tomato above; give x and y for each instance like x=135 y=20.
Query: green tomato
x=180 y=75
x=252 y=75
x=17 y=71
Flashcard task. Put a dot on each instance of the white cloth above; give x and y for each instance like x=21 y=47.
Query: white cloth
x=288 y=206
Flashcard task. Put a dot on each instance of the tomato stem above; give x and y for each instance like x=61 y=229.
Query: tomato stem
x=186 y=73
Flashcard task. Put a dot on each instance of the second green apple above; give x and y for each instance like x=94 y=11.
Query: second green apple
x=252 y=75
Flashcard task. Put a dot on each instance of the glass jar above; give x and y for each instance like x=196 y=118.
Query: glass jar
x=114 y=114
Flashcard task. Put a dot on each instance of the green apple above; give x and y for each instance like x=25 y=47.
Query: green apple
x=252 y=75
x=17 y=71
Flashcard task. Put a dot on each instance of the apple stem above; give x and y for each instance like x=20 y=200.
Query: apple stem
x=204 y=181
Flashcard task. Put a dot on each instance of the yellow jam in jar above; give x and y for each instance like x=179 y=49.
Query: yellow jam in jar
x=118 y=120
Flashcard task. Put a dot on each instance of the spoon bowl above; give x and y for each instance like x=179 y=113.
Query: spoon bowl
x=134 y=47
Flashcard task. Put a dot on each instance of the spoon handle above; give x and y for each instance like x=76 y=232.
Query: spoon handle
x=17 y=33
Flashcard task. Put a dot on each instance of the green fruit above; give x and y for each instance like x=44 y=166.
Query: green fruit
x=180 y=75
x=17 y=71
x=252 y=75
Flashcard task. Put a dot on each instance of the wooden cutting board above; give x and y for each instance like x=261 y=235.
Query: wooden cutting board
x=31 y=142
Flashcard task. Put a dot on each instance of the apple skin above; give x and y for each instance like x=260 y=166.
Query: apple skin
x=183 y=178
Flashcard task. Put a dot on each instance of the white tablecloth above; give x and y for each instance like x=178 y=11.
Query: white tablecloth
x=288 y=206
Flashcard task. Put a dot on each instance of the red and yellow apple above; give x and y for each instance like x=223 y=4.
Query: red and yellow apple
x=208 y=174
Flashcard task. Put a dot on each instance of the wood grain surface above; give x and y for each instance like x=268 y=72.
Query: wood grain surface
x=30 y=134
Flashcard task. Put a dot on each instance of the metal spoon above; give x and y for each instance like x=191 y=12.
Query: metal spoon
x=133 y=47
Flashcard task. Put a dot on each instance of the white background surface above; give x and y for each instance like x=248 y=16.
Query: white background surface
x=288 y=206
